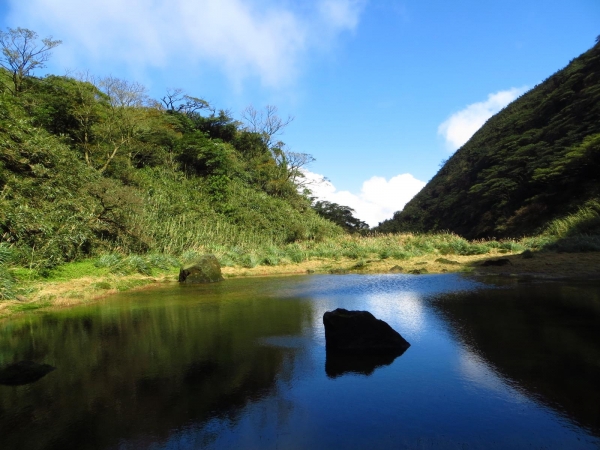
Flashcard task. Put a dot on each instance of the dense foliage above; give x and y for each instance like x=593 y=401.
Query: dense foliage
x=91 y=166
x=341 y=215
x=535 y=161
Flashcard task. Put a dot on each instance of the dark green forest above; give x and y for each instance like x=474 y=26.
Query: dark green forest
x=532 y=163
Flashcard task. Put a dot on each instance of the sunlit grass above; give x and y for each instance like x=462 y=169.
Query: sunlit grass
x=356 y=251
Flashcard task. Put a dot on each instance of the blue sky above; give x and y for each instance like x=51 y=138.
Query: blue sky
x=381 y=91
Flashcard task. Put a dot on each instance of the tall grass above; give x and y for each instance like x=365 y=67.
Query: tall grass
x=179 y=216
x=8 y=286
x=354 y=247
x=585 y=220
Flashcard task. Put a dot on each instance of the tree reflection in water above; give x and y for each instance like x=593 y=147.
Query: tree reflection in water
x=542 y=338
x=137 y=375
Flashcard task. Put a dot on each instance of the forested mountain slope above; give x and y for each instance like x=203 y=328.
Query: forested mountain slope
x=96 y=166
x=536 y=160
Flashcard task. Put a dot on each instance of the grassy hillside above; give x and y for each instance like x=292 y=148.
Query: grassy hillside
x=92 y=168
x=530 y=165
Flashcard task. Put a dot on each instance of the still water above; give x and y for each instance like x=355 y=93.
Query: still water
x=242 y=364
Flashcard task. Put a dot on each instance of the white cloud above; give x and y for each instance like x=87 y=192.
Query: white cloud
x=342 y=14
x=243 y=38
x=377 y=200
x=460 y=126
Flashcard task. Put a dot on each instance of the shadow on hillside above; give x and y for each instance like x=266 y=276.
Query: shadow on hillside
x=576 y=257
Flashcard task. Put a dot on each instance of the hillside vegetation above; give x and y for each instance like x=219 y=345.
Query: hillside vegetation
x=93 y=167
x=101 y=183
x=532 y=168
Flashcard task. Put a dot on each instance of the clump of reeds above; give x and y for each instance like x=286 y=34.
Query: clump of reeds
x=8 y=285
x=585 y=220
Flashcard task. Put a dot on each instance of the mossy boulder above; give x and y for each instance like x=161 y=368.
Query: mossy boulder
x=206 y=269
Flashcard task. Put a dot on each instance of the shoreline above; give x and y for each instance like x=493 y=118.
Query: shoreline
x=543 y=266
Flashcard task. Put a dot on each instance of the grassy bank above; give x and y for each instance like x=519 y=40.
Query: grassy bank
x=29 y=289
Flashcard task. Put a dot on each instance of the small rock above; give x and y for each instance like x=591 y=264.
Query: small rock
x=360 y=332
x=396 y=269
x=24 y=372
x=338 y=271
x=309 y=271
x=418 y=271
x=446 y=261
x=205 y=270
x=497 y=262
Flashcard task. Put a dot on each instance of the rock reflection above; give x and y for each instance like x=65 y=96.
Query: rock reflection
x=338 y=364
x=541 y=338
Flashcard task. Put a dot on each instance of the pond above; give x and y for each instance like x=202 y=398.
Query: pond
x=242 y=364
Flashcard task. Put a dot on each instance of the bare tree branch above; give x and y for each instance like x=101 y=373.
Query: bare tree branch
x=172 y=98
x=295 y=163
x=177 y=100
x=267 y=123
x=123 y=93
x=22 y=53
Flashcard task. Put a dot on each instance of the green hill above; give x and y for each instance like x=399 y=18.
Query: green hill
x=535 y=161
x=90 y=168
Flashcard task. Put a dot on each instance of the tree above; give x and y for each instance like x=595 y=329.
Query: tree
x=86 y=111
x=125 y=119
x=175 y=100
x=22 y=53
x=340 y=215
x=123 y=93
x=267 y=123
x=293 y=164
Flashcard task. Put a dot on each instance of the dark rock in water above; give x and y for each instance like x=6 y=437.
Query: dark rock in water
x=497 y=262
x=360 y=332
x=205 y=270
x=23 y=372
x=339 y=363
x=396 y=269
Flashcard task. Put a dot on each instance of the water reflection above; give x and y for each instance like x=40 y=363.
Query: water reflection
x=405 y=306
x=338 y=364
x=240 y=365
x=542 y=339
x=135 y=375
